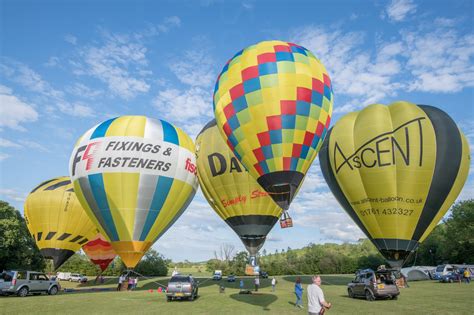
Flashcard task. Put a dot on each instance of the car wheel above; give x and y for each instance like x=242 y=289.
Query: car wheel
x=369 y=296
x=191 y=298
x=395 y=297
x=53 y=290
x=450 y=280
x=168 y=298
x=23 y=292
x=351 y=294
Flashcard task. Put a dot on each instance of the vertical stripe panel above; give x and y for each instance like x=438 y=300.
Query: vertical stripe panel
x=122 y=190
x=97 y=188
x=146 y=191
x=101 y=129
x=169 y=133
x=161 y=193
x=130 y=126
x=153 y=130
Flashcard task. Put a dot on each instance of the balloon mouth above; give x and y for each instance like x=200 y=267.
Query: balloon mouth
x=59 y=256
x=253 y=243
x=281 y=186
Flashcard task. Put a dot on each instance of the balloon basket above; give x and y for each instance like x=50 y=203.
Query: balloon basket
x=286 y=221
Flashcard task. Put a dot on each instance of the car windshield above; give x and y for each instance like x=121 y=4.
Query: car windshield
x=6 y=276
x=440 y=268
x=384 y=277
x=180 y=279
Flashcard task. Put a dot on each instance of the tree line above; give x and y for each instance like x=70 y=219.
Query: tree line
x=451 y=241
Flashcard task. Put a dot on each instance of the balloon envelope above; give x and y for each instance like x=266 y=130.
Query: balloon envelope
x=396 y=170
x=56 y=220
x=134 y=176
x=235 y=196
x=273 y=104
x=99 y=251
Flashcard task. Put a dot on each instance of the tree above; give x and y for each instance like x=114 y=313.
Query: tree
x=225 y=253
x=153 y=264
x=17 y=248
x=459 y=232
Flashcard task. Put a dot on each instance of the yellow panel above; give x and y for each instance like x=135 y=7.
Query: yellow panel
x=122 y=194
x=132 y=126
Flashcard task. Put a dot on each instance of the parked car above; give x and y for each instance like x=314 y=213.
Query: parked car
x=23 y=283
x=181 y=286
x=373 y=284
x=65 y=276
x=77 y=277
x=217 y=275
x=263 y=274
x=231 y=278
x=451 y=277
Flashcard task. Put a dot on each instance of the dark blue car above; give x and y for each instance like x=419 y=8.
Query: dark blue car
x=451 y=277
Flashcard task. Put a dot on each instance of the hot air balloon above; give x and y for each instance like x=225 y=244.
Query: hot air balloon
x=395 y=170
x=134 y=176
x=56 y=220
x=273 y=104
x=99 y=251
x=233 y=194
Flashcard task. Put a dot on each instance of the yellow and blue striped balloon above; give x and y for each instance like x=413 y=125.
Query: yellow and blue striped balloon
x=134 y=176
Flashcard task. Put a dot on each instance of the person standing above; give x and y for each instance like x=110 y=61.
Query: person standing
x=274 y=282
x=135 y=282
x=120 y=281
x=467 y=275
x=299 y=293
x=241 y=285
x=316 y=299
x=257 y=283
x=130 y=283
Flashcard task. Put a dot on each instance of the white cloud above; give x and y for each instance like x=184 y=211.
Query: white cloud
x=52 y=62
x=82 y=90
x=3 y=156
x=194 y=68
x=118 y=62
x=14 y=112
x=34 y=145
x=189 y=108
x=71 y=39
x=12 y=194
x=8 y=144
x=398 y=10
x=440 y=61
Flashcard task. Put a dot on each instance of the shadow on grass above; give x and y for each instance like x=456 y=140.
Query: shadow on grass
x=259 y=299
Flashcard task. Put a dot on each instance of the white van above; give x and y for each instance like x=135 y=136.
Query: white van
x=442 y=270
x=217 y=275
x=65 y=276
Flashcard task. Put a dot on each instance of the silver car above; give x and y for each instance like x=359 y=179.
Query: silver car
x=22 y=283
x=180 y=287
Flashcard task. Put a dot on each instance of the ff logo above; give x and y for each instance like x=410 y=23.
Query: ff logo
x=89 y=149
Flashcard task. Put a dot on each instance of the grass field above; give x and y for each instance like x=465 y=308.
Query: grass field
x=424 y=297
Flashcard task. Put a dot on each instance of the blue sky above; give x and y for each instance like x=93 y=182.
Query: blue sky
x=68 y=65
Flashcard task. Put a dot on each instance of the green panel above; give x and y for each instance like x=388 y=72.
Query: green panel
x=269 y=80
x=301 y=122
x=286 y=67
x=254 y=98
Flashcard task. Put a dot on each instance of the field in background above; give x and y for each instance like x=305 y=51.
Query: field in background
x=425 y=297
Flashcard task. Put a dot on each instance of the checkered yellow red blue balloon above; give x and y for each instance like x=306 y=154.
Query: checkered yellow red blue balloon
x=273 y=104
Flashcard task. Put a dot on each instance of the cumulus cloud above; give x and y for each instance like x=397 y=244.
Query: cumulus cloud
x=398 y=10
x=3 y=156
x=8 y=144
x=12 y=194
x=14 y=113
x=71 y=39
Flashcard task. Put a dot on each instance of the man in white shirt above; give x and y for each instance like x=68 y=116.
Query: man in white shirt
x=316 y=299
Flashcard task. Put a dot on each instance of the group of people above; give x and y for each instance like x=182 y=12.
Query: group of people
x=316 y=302
x=130 y=281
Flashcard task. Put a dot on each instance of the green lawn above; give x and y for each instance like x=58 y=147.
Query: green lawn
x=425 y=297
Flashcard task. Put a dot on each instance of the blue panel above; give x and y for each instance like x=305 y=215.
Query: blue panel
x=100 y=131
x=327 y=92
x=304 y=151
x=169 y=133
x=162 y=189
x=288 y=121
x=275 y=136
x=298 y=50
x=226 y=67
x=233 y=122
x=302 y=108
x=315 y=142
x=240 y=103
x=96 y=183
x=264 y=166
x=294 y=163
x=284 y=56
x=267 y=151
x=233 y=140
x=238 y=54
x=267 y=68
x=316 y=98
x=252 y=85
